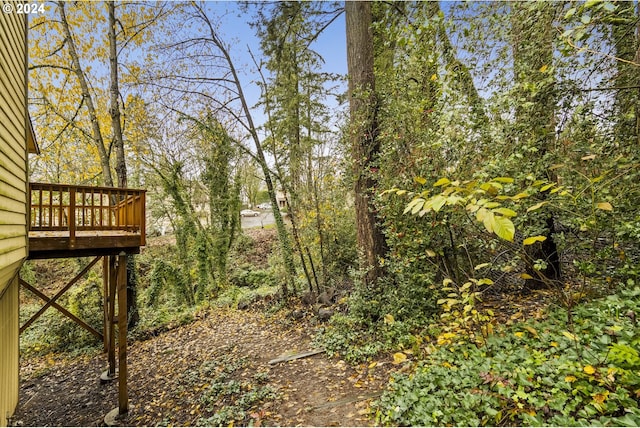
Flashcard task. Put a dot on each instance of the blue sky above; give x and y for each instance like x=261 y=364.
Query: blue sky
x=235 y=28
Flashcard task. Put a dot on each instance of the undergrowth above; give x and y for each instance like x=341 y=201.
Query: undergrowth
x=542 y=372
x=388 y=315
x=230 y=399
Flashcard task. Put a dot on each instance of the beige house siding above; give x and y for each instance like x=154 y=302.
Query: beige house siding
x=14 y=129
x=9 y=365
x=13 y=140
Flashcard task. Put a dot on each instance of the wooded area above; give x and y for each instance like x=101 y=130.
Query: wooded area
x=463 y=204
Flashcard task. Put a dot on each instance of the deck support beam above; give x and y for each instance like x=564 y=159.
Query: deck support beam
x=65 y=312
x=115 y=286
x=52 y=301
x=114 y=277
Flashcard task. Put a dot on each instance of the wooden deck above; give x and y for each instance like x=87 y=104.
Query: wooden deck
x=79 y=221
x=106 y=223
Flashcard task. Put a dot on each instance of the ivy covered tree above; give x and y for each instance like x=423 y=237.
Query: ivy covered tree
x=535 y=121
x=363 y=134
x=199 y=174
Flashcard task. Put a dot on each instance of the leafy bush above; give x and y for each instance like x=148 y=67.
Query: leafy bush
x=247 y=276
x=539 y=373
x=383 y=316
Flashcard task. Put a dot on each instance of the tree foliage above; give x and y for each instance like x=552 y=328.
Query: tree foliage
x=490 y=149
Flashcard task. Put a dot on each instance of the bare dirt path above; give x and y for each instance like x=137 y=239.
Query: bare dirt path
x=200 y=374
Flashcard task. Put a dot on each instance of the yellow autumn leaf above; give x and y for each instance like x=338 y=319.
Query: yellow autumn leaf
x=442 y=182
x=544 y=68
x=554 y=344
x=520 y=196
x=445 y=338
x=501 y=226
x=536 y=206
x=533 y=239
x=399 y=358
x=600 y=397
x=606 y=206
x=570 y=379
x=420 y=180
x=373 y=364
x=569 y=335
x=388 y=319
x=503 y=180
x=589 y=369
x=505 y=212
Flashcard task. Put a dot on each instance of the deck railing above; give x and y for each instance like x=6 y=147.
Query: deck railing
x=63 y=207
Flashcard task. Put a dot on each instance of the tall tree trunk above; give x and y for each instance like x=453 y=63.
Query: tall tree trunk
x=86 y=94
x=295 y=150
x=365 y=146
x=121 y=166
x=116 y=126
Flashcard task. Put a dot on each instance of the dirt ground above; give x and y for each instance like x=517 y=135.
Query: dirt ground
x=169 y=376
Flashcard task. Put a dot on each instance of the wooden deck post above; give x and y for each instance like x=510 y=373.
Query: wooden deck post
x=105 y=301
x=110 y=289
x=72 y=217
x=123 y=394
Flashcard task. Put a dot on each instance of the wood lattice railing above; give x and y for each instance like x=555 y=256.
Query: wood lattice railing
x=63 y=207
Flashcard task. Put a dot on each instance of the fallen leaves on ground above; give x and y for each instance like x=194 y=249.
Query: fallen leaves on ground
x=194 y=374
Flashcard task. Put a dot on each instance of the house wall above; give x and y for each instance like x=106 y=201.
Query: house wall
x=13 y=196
x=9 y=365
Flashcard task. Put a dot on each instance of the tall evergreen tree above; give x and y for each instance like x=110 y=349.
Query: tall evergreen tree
x=295 y=95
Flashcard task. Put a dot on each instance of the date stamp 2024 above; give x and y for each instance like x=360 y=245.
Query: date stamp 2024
x=23 y=8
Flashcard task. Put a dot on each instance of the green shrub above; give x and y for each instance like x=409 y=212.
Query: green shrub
x=248 y=276
x=381 y=317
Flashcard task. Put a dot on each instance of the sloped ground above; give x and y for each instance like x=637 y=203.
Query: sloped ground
x=217 y=364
